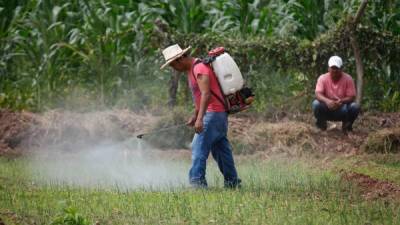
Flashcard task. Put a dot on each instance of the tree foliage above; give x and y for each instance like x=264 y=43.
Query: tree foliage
x=103 y=53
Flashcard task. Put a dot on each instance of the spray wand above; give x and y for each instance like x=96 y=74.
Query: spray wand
x=140 y=136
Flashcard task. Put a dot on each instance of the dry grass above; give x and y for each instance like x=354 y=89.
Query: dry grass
x=69 y=129
x=383 y=141
x=292 y=138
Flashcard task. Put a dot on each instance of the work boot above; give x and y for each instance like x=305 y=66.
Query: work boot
x=321 y=124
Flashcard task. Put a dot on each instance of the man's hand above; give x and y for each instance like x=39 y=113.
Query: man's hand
x=334 y=104
x=191 y=121
x=330 y=104
x=198 y=126
x=347 y=99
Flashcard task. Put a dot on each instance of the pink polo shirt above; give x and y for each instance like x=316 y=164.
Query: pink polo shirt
x=344 y=87
x=214 y=105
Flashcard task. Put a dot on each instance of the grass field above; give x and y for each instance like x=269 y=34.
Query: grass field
x=277 y=191
x=378 y=166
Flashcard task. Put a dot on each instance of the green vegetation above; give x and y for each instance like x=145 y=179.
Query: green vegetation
x=96 y=54
x=379 y=166
x=274 y=192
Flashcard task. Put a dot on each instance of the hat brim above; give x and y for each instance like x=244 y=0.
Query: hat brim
x=337 y=66
x=174 y=58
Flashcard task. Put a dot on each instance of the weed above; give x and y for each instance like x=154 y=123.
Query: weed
x=70 y=217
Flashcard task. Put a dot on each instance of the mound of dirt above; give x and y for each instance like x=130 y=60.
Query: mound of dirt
x=21 y=131
x=290 y=137
x=383 y=141
x=293 y=138
x=297 y=134
x=14 y=128
x=372 y=188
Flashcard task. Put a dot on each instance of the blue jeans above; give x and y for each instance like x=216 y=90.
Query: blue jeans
x=346 y=113
x=213 y=138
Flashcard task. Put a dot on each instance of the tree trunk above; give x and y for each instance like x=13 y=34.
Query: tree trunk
x=173 y=88
x=359 y=68
x=356 y=50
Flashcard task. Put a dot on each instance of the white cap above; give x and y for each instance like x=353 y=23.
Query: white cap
x=173 y=52
x=335 y=61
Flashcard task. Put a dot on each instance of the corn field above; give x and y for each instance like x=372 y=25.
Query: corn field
x=84 y=53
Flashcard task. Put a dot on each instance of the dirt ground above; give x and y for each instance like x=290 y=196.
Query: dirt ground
x=14 y=127
x=372 y=188
x=293 y=135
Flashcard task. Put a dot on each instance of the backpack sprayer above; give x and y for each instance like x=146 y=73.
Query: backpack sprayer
x=236 y=96
x=140 y=136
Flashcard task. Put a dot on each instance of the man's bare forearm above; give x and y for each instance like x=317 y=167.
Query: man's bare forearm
x=205 y=98
x=195 y=113
x=320 y=97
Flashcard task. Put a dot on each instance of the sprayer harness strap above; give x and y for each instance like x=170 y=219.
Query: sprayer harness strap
x=215 y=95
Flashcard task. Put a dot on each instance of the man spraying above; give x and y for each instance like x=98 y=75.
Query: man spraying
x=210 y=120
x=335 y=93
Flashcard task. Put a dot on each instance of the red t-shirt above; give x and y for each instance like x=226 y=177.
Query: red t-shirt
x=344 y=87
x=214 y=104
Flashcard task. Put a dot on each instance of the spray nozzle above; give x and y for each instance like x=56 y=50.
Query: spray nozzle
x=140 y=136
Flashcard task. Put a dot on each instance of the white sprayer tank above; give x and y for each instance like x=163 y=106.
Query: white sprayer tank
x=228 y=74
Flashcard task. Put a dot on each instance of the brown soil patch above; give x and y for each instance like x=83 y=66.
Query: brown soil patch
x=372 y=188
x=14 y=128
x=11 y=216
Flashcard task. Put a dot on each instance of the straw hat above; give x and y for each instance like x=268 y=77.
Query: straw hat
x=173 y=52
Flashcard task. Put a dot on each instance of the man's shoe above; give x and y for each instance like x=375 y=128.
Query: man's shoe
x=198 y=184
x=347 y=126
x=233 y=184
x=321 y=124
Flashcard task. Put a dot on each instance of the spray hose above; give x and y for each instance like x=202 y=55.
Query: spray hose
x=140 y=136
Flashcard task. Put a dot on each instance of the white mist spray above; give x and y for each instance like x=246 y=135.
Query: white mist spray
x=127 y=165
x=115 y=162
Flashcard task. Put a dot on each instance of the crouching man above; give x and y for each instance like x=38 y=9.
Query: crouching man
x=335 y=94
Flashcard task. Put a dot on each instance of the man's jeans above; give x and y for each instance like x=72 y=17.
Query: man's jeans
x=346 y=113
x=213 y=138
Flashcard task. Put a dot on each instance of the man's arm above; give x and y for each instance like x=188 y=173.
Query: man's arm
x=347 y=99
x=319 y=95
x=322 y=98
x=350 y=92
x=204 y=85
x=332 y=104
x=319 y=91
